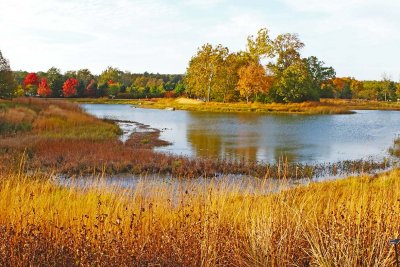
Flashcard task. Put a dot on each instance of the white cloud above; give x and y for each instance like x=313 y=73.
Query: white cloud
x=330 y=7
x=204 y=3
x=161 y=35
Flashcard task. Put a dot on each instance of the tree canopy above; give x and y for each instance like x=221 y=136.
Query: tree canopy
x=268 y=70
x=204 y=73
x=7 y=82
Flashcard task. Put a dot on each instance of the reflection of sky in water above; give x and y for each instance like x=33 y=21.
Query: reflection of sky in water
x=302 y=138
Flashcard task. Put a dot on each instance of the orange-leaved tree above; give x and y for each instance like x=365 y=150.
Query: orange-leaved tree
x=44 y=89
x=69 y=87
x=253 y=80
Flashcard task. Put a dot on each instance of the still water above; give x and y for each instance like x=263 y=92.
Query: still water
x=260 y=137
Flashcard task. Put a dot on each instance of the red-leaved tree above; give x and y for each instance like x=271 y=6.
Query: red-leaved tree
x=31 y=79
x=44 y=88
x=31 y=83
x=69 y=87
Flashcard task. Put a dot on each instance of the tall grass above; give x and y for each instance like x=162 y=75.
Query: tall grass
x=53 y=119
x=14 y=120
x=55 y=122
x=341 y=223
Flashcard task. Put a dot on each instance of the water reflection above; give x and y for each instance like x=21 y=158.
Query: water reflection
x=209 y=138
x=257 y=137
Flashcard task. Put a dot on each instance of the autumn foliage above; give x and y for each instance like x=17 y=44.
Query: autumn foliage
x=253 y=80
x=44 y=88
x=69 y=87
x=31 y=79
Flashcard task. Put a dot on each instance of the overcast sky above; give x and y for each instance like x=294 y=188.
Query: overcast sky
x=359 y=38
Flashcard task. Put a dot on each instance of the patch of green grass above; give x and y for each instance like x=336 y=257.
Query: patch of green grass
x=13 y=128
x=145 y=141
x=90 y=132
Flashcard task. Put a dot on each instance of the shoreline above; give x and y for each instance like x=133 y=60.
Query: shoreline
x=324 y=107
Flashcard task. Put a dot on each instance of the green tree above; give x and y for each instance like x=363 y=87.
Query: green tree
x=261 y=46
x=140 y=82
x=55 y=81
x=319 y=74
x=84 y=77
x=385 y=86
x=388 y=88
x=294 y=85
x=179 y=88
x=398 y=91
x=7 y=81
x=113 y=89
x=155 y=87
x=356 y=88
x=70 y=74
x=126 y=78
x=20 y=76
x=204 y=72
x=342 y=87
x=286 y=49
x=110 y=74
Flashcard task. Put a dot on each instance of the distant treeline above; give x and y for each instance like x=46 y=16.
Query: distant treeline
x=268 y=70
x=115 y=83
x=111 y=82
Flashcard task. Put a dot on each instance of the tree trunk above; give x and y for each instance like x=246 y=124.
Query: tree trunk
x=209 y=87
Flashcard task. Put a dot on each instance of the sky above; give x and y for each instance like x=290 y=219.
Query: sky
x=359 y=38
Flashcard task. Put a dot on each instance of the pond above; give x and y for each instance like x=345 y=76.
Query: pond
x=265 y=137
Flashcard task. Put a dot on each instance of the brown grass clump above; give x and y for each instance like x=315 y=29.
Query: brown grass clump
x=40 y=104
x=18 y=115
x=60 y=123
x=183 y=100
x=341 y=223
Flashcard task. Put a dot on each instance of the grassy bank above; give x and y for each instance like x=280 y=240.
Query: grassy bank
x=341 y=223
x=325 y=106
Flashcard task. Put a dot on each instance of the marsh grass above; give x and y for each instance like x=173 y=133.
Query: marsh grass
x=15 y=120
x=360 y=104
x=394 y=150
x=341 y=223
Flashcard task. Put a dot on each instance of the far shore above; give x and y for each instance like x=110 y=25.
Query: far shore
x=325 y=106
